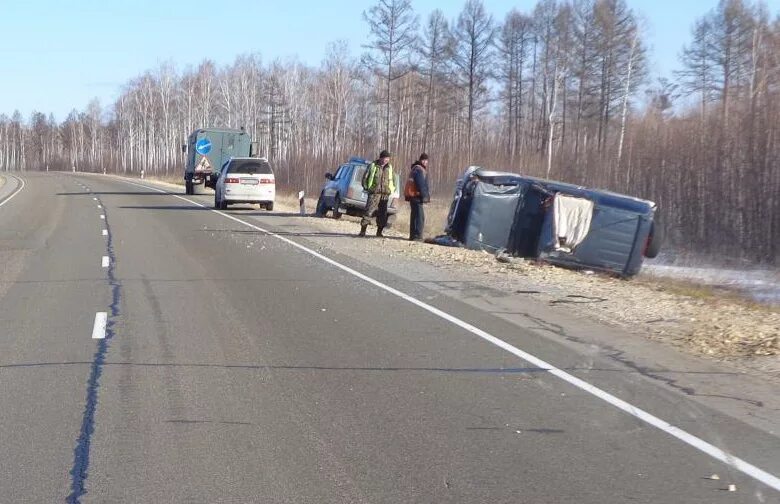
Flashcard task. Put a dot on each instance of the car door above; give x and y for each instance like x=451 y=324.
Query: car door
x=332 y=186
x=356 y=192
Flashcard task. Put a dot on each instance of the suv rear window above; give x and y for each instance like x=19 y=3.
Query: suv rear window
x=250 y=167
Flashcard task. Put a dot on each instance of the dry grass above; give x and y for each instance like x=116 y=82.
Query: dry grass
x=168 y=179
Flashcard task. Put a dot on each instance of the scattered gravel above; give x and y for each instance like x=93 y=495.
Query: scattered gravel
x=694 y=317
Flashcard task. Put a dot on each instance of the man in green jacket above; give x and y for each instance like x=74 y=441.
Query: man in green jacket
x=379 y=183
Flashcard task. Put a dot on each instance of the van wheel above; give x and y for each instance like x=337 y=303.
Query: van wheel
x=269 y=207
x=336 y=205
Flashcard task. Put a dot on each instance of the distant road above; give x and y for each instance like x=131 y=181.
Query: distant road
x=152 y=350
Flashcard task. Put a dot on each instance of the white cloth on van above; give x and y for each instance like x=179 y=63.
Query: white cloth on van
x=571 y=221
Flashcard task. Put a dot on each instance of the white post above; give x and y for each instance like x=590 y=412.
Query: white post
x=301 y=202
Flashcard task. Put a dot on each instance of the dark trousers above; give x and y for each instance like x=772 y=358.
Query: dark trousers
x=376 y=203
x=417 y=221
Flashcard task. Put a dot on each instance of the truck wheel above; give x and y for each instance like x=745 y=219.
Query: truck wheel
x=189 y=187
x=654 y=240
x=336 y=205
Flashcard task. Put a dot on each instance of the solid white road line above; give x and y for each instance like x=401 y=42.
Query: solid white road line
x=99 y=329
x=104 y=262
x=105 y=232
x=18 y=190
x=696 y=442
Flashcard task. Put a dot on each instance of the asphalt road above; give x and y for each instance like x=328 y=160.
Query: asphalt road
x=239 y=368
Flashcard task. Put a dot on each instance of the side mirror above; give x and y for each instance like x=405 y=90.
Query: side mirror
x=329 y=176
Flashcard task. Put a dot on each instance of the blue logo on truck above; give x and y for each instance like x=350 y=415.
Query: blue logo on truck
x=203 y=146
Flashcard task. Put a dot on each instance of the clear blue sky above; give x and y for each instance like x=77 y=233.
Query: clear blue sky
x=57 y=55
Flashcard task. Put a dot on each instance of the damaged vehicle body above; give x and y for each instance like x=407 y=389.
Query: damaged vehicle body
x=559 y=223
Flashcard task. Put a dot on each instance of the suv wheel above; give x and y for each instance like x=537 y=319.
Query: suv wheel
x=321 y=209
x=336 y=205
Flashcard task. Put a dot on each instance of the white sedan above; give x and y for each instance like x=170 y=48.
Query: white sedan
x=245 y=180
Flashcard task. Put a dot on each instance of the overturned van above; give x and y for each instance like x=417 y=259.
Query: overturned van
x=559 y=223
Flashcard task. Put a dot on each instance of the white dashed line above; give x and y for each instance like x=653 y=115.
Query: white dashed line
x=99 y=329
x=105 y=232
x=104 y=262
x=103 y=217
x=94 y=199
x=100 y=206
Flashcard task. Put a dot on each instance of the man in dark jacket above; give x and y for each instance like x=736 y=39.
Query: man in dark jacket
x=419 y=196
x=379 y=183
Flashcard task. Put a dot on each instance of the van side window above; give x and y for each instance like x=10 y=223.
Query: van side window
x=341 y=172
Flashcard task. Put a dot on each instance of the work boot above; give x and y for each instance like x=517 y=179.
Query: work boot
x=363 y=231
x=379 y=233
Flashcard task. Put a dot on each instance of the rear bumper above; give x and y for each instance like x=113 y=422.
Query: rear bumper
x=249 y=201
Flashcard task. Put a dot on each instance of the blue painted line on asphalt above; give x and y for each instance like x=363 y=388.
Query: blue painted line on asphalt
x=81 y=453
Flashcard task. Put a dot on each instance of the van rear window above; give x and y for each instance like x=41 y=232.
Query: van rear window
x=250 y=167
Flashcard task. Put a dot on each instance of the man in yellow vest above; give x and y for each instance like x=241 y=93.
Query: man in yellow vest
x=379 y=183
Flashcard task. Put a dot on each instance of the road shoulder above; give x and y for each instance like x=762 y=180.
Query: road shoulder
x=746 y=394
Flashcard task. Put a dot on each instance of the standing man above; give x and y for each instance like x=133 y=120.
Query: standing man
x=379 y=183
x=417 y=194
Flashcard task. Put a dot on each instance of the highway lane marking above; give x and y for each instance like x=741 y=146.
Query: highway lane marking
x=684 y=436
x=103 y=217
x=104 y=262
x=99 y=328
x=100 y=206
x=18 y=190
x=105 y=232
x=94 y=199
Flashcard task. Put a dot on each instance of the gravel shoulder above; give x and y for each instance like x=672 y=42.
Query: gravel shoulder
x=693 y=317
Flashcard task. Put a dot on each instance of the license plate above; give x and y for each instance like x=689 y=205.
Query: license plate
x=250 y=181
